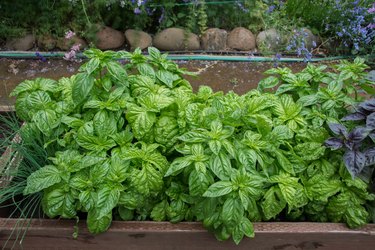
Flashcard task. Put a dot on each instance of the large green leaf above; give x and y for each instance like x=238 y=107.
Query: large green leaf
x=232 y=211
x=95 y=143
x=46 y=120
x=41 y=179
x=140 y=119
x=147 y=180
x=96 y=225
x=107 y=199
x=160 y=210
x=117 y=71
x=221 y=166
x=105 y=123
x=167 y=77
x=245 y=227
x=178 y=164
x=58 y=201
x=82 y=86
x=199 y=182
x=219 y=189
x=320 y=188
x=273 y=203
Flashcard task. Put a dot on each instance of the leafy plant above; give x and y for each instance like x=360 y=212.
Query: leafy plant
x=134 y=142
x=359 y=152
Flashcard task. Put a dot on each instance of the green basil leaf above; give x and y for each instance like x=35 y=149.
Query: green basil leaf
x=125 y=213
x=268 y=82
x=58 y=201
x=146 y=70
x=82 y=86
x=219 y=189
x=199 y=182
x=273 y=203
x=220 y=165
x=167 y=77
x=159 y=212
x=232 y=211
x=117 y=71
x=178 y=164
x=94 y=143
x=46 y=121
x=215 y=146
x=194 y=137
x=42 y=179
x=96 y=225
x=140 y=119
x=91 y=65
x=107 y=199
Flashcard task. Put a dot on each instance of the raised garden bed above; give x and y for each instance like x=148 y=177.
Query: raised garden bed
x=57 y=234
x=66 y=234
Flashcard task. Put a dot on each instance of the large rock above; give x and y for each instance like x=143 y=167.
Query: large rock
x=108 y=38
x=176 y=39
x=137 y=39
x=311 y=41
x=65 y=44
x=214 y=39
x=23 y=43
x=269 y=40
x=46 y=42
x=241 y=39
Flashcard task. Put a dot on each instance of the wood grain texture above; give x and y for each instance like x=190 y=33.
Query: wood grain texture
x=57 y=234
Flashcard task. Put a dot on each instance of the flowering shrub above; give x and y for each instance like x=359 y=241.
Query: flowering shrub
x=353 y=24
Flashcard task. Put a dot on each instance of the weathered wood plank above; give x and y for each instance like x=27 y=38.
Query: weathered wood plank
x=57 y=234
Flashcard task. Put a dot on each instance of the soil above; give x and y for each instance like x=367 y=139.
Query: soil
x=221 y=76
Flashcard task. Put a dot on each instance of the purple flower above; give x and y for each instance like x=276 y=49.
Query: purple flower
x=137 y=11
x=161 y=18
x=240 y=5
x=75 y=47
x=69 y=34
x=40 y=56
x=271 y=8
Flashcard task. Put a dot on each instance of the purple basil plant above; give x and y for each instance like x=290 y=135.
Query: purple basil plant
x=359 y=143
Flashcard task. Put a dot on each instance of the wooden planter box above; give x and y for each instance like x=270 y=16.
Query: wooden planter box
x=46 y=234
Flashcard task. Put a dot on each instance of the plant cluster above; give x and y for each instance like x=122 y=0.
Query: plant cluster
x=135 y=142
x=359 y=142
x=349 y=24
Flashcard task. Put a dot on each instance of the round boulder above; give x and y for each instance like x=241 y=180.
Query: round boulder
x=23 y=43
x=46 y=42
x=269 y=40
x=176 y=39
x=137 y=39
x=241 y=39
x=108 y=38
x=214 y=39
x=312 y=41
x=65 y=44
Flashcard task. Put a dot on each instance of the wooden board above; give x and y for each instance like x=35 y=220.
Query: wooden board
x=45 y=234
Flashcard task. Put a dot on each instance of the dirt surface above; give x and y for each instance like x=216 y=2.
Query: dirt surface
x=225 y=76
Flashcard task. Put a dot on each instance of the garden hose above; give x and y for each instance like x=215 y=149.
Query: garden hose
x=187 y=57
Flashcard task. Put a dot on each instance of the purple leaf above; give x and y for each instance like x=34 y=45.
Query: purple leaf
x=370 y=121
x=358 y=134
x=368 y=105
x=349 y=144
x=334 y=143
x=357 y=116
x=370 y=156
x=372 y=136
x=338 y=129
x=354 y=162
